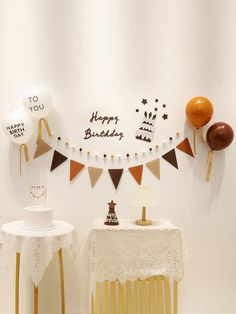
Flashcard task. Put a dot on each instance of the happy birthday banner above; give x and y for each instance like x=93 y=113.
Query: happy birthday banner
x=115 y=174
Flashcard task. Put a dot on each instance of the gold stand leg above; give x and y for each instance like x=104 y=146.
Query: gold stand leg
x=92 y=305
x=60 y=257
x=17 y=283
x=175 y=297
x=36 y=303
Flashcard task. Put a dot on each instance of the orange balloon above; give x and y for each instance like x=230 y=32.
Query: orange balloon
x=199 y=111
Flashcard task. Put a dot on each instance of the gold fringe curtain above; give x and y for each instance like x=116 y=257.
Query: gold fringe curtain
x=149 y=296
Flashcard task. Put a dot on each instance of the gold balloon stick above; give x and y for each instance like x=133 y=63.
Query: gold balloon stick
x=26 y=152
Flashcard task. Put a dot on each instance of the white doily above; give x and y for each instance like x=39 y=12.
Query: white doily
x=37 y=247
x=129 y=252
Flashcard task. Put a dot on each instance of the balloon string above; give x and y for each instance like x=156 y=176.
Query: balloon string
x=40 y=128
x=194 y=141
x=202 y=135
x=209 y=164
x=26 y=152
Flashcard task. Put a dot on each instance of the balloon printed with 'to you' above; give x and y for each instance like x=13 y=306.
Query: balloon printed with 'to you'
x=38 y=103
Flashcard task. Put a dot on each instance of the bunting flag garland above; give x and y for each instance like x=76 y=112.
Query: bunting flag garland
x=154 y=167
x=42 y=148
x=94 y=174
x=115 y=175
x=171 y=158
x=75 y=168
x=57 y=160
x=137 y=173
x=185 y=147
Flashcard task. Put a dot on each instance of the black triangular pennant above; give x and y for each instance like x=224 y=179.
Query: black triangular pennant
x=171 y=158
x=57 y=160
x=115 y=175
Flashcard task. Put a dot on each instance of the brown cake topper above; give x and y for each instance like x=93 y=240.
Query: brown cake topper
x=111 y=219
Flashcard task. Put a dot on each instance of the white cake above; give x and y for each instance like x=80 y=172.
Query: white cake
x=36 y=217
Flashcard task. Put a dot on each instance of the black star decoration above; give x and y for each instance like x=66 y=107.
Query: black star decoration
x=144 y=101
x=165 y=116
x=164 y=105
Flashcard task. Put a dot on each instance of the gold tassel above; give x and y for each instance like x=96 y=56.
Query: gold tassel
x=167 y=294
x=175 y=297
x=113 y=297
x=40 y=128
x=105 y=298
x=202 y=135
x=26 y=152
x=209 y=164
x=128 y=298
x=160 y=295
x=194 y=141
x=136 y=297
x=144 y=296
x=121 y=299
x=152 y=302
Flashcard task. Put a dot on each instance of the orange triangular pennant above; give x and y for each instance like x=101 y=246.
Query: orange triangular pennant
x=75 y=168
x=171 y=158
x=137 y=173
x=115 y=175
x=154 y=167
x=185 y=147
x=94 y=174
x=42 y=148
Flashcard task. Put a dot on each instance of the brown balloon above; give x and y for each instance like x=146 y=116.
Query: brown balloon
x=219 y=136
x=199 y=111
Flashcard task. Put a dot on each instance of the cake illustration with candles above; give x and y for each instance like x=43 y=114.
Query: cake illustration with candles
x=38 y=216
x=146 y=129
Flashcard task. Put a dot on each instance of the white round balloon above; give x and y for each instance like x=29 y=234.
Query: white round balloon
x=18 y=127
x=38 y=102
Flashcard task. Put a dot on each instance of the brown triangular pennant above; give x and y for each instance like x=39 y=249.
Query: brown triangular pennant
x=57 y=160
x=75 y=168
x=137 y=173
x=154 y=167
x=94 y=174
x=115 y=176
x=42 y=148
x=185 y=147
x=171 y=158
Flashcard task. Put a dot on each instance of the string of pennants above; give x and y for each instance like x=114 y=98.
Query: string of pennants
x=115 y=174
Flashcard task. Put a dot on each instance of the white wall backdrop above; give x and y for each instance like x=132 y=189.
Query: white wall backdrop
x=107 y=55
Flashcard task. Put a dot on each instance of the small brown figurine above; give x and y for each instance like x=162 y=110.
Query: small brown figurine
x=111 y=219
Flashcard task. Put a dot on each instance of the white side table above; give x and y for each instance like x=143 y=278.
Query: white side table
x=34 y=250
x=131 y=267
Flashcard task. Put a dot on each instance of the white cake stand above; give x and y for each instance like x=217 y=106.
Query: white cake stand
x=34 y=250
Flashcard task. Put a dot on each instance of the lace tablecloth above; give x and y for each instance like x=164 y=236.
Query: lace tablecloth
x=37 y=247
x=129 y=252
